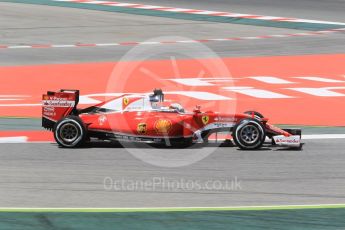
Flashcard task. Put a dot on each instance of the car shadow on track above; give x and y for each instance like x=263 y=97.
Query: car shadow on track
x=115 y=144
x=123 y=145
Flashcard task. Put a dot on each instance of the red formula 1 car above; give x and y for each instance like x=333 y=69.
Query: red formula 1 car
x=144 y=118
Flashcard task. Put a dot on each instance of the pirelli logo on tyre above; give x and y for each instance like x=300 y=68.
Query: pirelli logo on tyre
x=142 y=128
x=163 y=126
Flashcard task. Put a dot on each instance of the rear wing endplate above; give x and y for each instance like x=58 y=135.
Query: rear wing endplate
x=57 y=105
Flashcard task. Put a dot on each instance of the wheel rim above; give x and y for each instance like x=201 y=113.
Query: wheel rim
x=250 y=134
x=69 y=132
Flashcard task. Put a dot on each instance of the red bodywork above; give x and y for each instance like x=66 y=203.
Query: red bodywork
x=133 y=117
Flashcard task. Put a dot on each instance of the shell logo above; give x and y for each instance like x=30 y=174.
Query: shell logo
x=163 y=126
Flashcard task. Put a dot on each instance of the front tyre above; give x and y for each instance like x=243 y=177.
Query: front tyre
x=70 y=132
x=256 y=114
x=249 y=134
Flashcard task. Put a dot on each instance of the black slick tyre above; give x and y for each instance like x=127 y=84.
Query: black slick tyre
x=70 y=132
x=257 y=115
x=249 y=134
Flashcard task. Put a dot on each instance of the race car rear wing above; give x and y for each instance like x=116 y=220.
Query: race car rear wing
x=56 y=105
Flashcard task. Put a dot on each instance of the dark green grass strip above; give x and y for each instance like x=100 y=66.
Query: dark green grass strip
x=309 y=218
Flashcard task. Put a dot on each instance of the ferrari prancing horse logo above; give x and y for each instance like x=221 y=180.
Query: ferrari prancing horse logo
x=125 y=101
x=102 y=119
x=205 y=119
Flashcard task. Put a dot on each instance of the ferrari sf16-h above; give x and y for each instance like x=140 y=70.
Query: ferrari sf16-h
x=147 y=118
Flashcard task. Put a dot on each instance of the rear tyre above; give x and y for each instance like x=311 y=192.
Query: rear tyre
x=70 y=132
x=249 y=134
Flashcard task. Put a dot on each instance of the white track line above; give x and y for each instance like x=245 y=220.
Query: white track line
x=196 y=208
x=201 y=12
x=7 y=140
x=24 y=139
x=322 y=136
x=89 y=45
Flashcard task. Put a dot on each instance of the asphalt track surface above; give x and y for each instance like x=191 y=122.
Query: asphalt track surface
x=40 y=26
x=42 y=175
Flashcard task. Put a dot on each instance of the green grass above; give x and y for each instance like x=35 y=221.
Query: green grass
x=325 y=217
